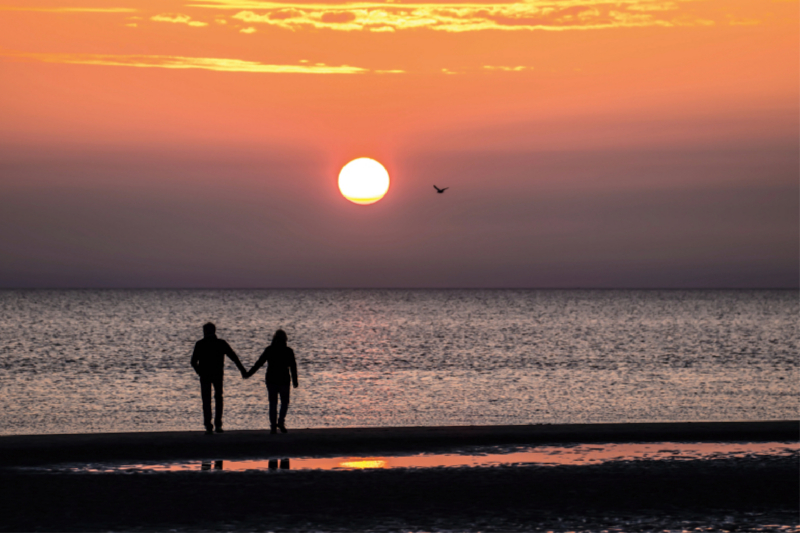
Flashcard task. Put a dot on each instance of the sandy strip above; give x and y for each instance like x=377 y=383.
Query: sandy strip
x=753 y=493
x=29 y=450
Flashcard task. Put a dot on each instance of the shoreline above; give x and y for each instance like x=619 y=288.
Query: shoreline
x=32 y=450
x=752 y=493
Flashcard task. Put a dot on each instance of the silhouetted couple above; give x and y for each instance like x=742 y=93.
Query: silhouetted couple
x=208 y=360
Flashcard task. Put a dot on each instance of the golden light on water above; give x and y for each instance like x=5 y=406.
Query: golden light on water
x=363 y=464
x=363 y=181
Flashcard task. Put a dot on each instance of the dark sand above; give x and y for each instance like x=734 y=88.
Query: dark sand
x=723 y=494
x=172 y=445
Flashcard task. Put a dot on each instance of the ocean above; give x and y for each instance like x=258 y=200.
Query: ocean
x=78 y=361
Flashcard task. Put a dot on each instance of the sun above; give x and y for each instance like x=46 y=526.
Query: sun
x=363 y=181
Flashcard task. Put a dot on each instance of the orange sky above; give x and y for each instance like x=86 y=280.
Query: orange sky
x=416 y=85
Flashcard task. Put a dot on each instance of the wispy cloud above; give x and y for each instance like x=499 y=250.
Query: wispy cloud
x=552 y=15
x=652 y=6
x=181 y=62
x=71 y=9
x=178 y=19
x=507 y=69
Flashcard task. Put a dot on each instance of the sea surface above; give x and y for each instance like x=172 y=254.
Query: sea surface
x=78 y=361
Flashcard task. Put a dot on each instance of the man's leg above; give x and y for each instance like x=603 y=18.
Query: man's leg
x=284 y=392
x=218 y=403
x=272 y=394
x=205 y=395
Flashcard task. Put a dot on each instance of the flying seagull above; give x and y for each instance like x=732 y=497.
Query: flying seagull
x=440 y=191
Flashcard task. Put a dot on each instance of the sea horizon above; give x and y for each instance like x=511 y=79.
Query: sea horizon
x=400 y=288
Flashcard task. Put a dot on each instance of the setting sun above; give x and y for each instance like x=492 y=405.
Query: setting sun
x=363 y=181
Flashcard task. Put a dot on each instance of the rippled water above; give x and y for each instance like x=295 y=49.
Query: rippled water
x=87 y=361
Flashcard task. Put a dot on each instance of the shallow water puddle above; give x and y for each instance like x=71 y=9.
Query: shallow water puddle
x=484 y=457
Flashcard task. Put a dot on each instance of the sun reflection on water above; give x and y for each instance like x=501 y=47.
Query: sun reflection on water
x=366 y=463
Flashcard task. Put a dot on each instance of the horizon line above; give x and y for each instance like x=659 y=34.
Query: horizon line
x=797 y=288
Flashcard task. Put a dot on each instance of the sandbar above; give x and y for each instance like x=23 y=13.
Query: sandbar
x=31 y=450
x=751 y=493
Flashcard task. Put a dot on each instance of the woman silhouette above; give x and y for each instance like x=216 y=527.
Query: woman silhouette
x=281 y=370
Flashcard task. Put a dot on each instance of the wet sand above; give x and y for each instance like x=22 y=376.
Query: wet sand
x=744 y=494
x=20 y=450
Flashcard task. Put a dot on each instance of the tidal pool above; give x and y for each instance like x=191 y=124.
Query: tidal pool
x=587 y=454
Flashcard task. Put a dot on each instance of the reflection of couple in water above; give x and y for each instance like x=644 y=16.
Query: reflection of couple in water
x=208 y=360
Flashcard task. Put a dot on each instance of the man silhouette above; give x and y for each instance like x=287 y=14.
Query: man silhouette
x=208 y=360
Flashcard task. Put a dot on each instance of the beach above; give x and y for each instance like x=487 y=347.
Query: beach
x=743 y=493
x=504 y=266
x=460 y=410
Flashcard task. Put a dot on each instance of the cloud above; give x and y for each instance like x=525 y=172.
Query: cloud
x=72 y=9
x=178 y=19
x=653 y=6
x=247 y=30
x=550 y=15
x=506 y=69
x=338 y=17
x=181 y=62
x=744 y=22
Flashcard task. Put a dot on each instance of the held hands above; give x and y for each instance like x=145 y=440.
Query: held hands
x=245 y=373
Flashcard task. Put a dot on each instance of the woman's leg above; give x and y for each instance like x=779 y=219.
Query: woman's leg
x=272 y=394
x=284 y=392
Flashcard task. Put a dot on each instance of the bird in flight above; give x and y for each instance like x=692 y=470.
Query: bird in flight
x=440 y=191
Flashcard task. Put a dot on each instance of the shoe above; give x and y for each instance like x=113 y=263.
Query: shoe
x=273 y=431
x=209 y=431
x=283 y=428
x=219 y=429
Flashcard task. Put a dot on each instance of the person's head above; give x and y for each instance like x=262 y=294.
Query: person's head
x=209 y=329
x=279 y=339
